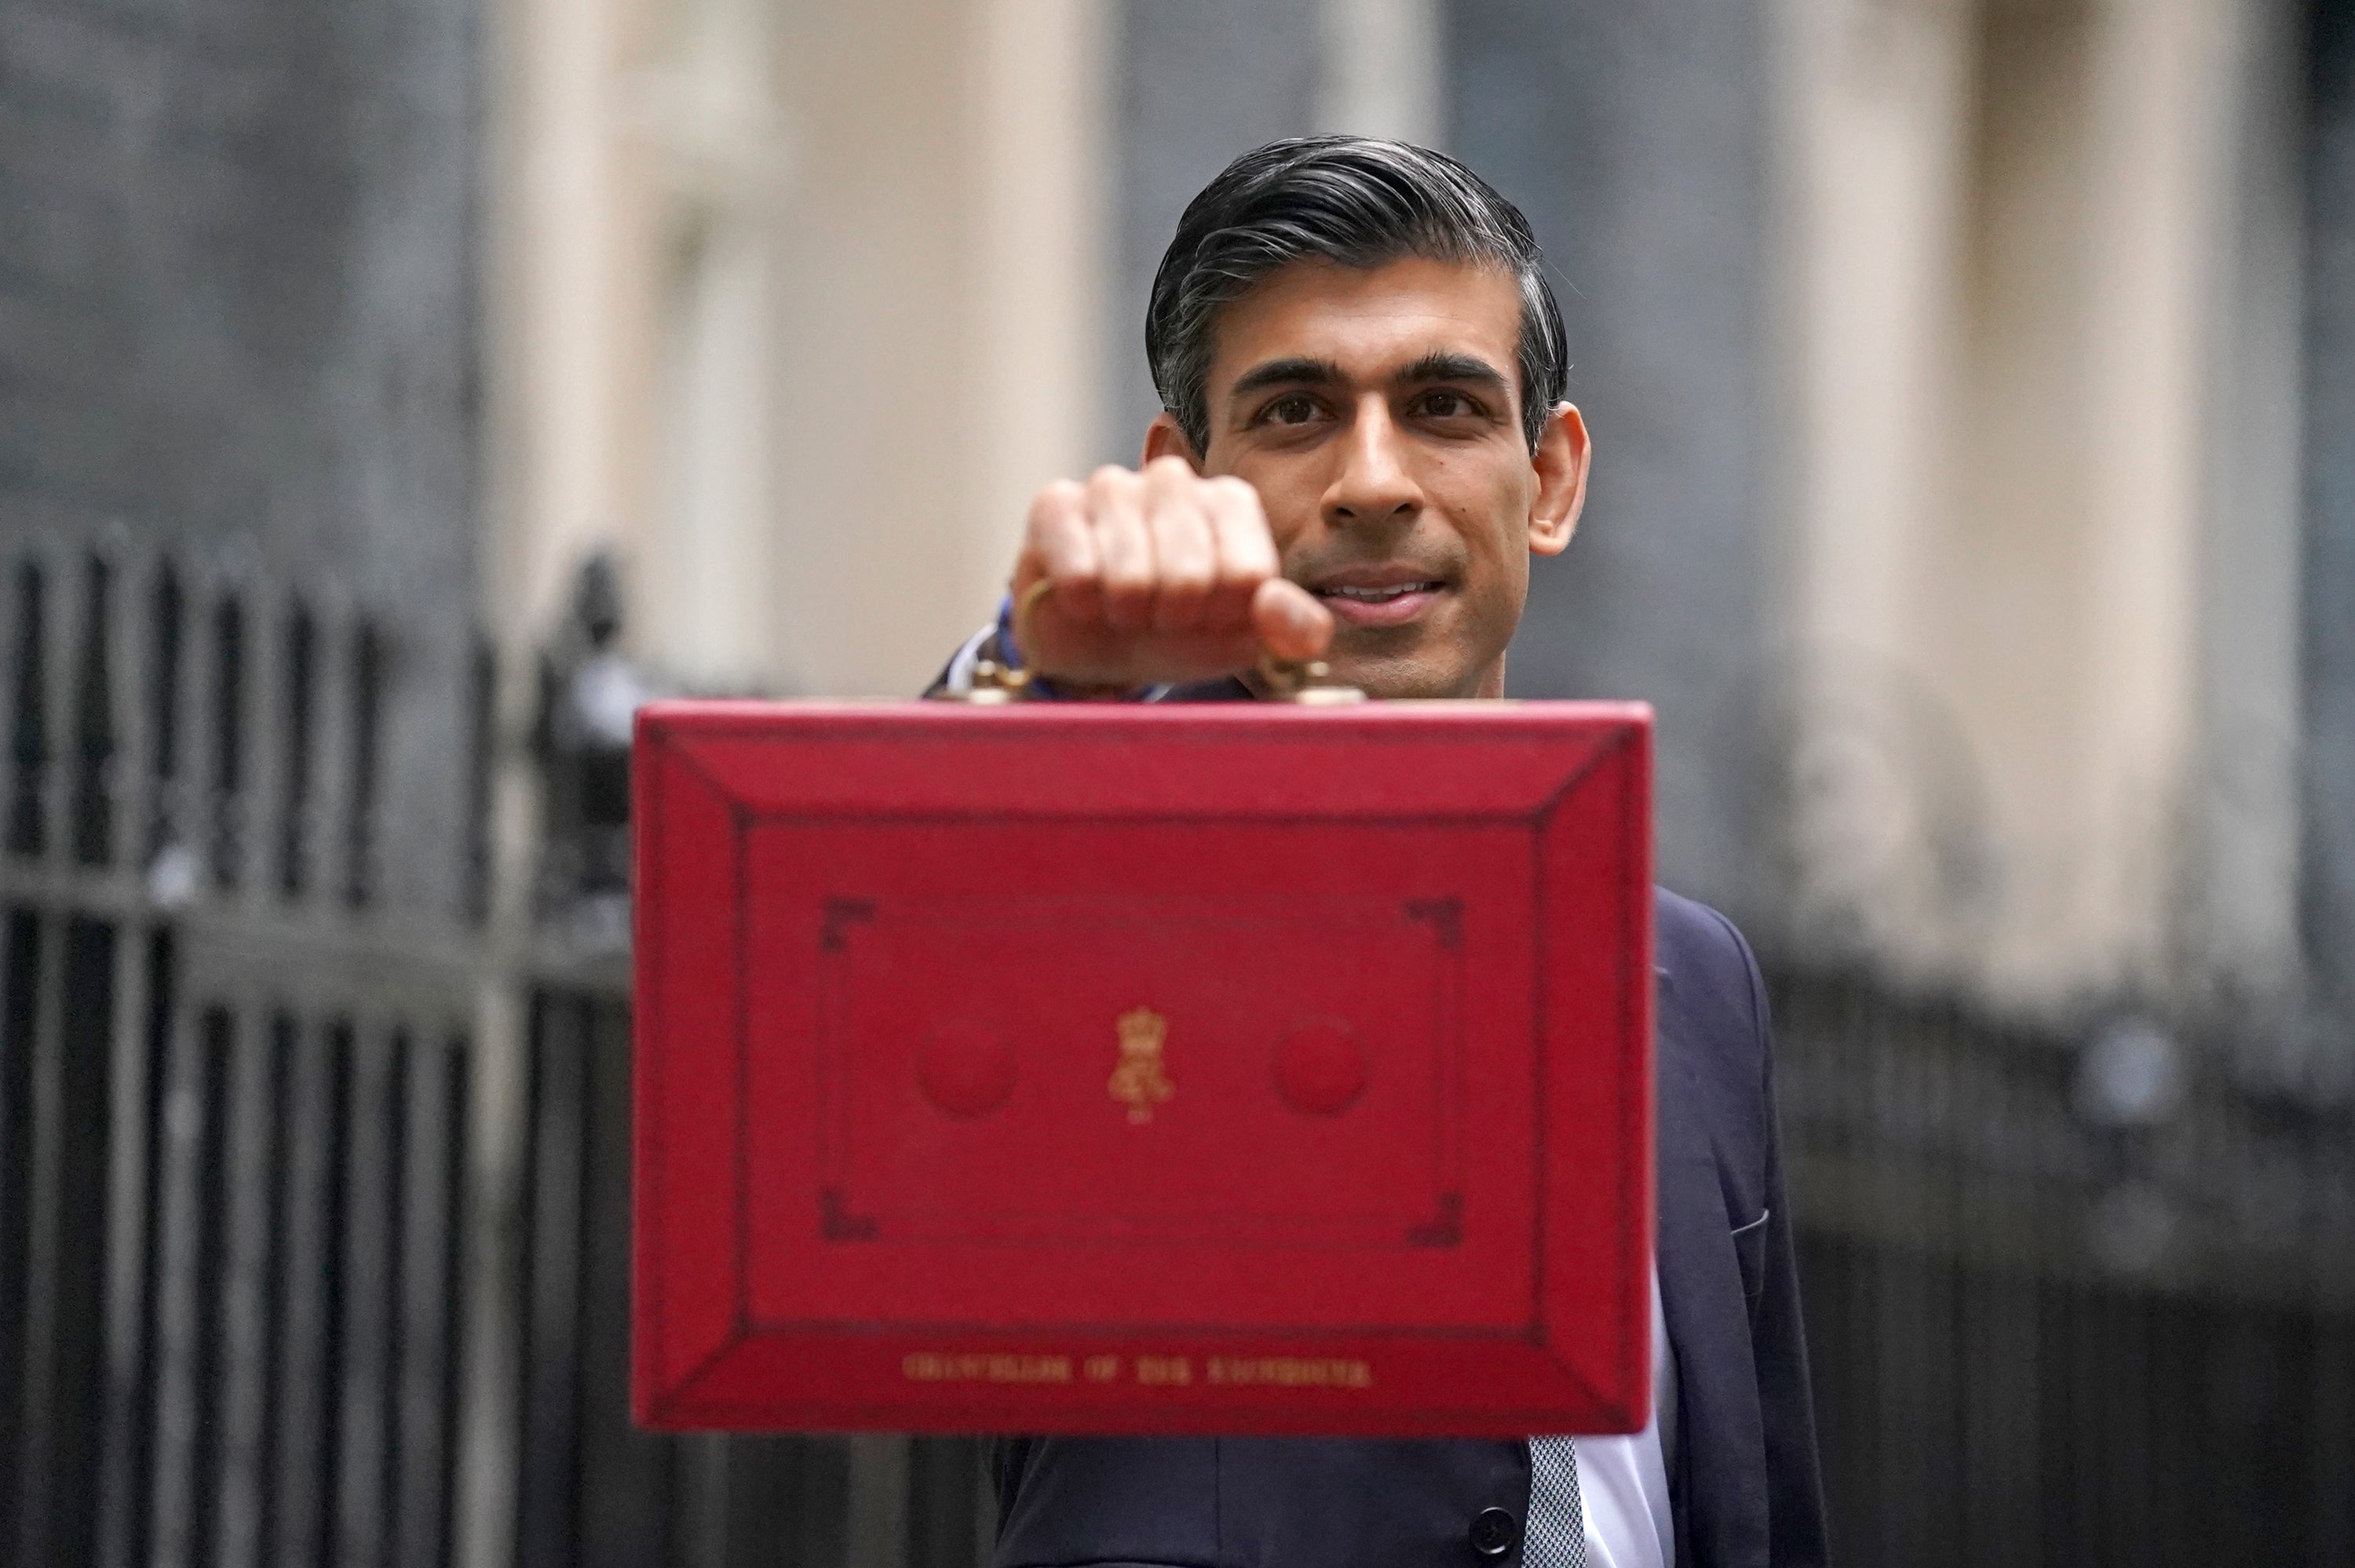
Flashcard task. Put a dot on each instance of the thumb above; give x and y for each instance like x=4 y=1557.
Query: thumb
x=1290 y=623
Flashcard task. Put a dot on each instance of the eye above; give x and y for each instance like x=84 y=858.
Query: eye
x=1448 y=403
x=1292 y=409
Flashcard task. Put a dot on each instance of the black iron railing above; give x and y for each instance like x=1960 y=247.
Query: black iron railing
x=313 y=1195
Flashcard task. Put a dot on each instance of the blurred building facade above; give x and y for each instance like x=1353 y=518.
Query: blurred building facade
x=1945 y=362
x=1967 y=379
x=2045 y=552
x=1974 y=391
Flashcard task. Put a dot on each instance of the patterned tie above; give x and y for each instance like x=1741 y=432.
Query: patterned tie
x=1556 y=1536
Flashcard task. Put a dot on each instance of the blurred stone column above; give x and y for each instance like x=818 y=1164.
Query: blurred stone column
x=2329 y=565
x=1197 y=84
x=1636 y=137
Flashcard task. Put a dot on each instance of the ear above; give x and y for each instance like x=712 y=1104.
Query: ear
x=1165 y=437
x=1561 y=460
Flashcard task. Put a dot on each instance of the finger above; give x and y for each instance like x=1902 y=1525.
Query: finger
x=1246 y=551
x=1061 y=546
x=1184 y=560
x=1123 y=548
x=1291 y=624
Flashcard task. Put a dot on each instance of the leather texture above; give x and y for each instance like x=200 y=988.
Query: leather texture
x=1745 y=1482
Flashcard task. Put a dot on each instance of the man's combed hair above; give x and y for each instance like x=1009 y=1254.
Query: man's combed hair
x=1358 y=202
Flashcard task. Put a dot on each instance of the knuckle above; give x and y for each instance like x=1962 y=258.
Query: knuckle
x=1127 y=571
x=1180 y=514
x=1186 y=557
x=1247 y=548
x=1188 y=568
x=1055 y=504
x=1111 y=485
x=1244 y=570
x=1234 y=496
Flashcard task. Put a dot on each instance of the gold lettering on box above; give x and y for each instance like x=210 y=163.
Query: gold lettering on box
x=1148 y=1371
x=1290 y=1372
x=982 y=1366
x=1164 y=1372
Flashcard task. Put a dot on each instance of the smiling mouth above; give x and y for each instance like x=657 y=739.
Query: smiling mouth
x=1377 y=595
x=1380 y=605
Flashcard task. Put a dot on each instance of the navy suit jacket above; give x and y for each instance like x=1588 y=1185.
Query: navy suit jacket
x=1744 y=1481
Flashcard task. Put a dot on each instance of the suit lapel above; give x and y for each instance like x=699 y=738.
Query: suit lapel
x=1720 y=1437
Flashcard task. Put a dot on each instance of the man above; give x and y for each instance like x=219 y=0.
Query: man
x=1363 y=443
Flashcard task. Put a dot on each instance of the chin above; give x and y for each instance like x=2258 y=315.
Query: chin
x=1420 y=660
x=1403 y=678
x=1407 y=662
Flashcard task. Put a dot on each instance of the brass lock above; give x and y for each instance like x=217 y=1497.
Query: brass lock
x=1305 y=681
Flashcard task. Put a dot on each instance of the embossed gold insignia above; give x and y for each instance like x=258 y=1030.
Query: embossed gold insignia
x=1139 y=1082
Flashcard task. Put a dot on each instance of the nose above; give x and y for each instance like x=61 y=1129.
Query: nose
x=1373 y=485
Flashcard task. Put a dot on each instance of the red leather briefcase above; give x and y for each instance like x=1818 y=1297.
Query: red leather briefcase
x=1224 y=1068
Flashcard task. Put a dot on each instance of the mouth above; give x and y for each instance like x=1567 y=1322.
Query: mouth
x=1391 y=599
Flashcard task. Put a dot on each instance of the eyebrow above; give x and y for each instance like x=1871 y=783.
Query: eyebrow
x=1301 y=371
x=1294 y=372
x=1445 y=367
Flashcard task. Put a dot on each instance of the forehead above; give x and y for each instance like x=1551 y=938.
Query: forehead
x=1370 y=320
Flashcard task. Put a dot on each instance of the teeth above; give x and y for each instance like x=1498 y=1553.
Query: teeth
x=1376 y=595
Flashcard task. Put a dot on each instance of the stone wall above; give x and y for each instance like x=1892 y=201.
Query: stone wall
x=237 y=313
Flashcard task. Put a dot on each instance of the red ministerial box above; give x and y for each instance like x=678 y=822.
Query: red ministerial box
x=1118 y=1068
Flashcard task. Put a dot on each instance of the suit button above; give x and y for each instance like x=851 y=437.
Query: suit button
x=1494 y=1531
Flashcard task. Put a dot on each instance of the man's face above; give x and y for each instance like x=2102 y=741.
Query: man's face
x=1378 y=414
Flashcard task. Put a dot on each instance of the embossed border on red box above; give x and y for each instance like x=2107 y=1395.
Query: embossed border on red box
x=1436 y=1218
x=1573 y=776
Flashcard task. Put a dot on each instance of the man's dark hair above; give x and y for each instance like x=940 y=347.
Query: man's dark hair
x=1357 y=201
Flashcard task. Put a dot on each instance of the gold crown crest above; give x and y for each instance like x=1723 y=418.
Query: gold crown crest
x=1139 y=1083
x=1142 y=1033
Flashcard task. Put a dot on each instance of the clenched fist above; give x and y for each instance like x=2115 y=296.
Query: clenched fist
x=1158 y=576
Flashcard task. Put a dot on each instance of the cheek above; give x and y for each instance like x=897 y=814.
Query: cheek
x=1492 y=479
x=1492 y=515
x=1291 y=501
x=1501 y=587
x=1494 y=526
x=1513 y=584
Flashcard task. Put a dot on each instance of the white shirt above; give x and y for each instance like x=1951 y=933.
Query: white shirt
x=1622 y=1482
